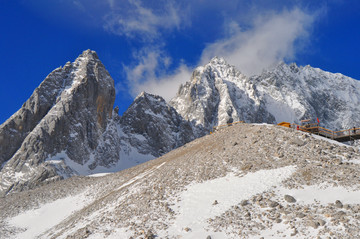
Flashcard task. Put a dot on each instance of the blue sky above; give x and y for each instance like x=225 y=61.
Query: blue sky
x=154 y=45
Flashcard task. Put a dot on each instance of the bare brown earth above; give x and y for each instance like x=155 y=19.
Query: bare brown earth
x=139 y=200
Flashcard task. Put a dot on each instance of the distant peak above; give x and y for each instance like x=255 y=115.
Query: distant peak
x=141 y=95
x=293 y=67
x=218 y=60
x=89 y=54
x=144 y=94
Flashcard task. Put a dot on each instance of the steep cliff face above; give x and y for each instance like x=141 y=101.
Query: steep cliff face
x=64 y=122
x=218 y=94
x=151 y=127
x=292 y=93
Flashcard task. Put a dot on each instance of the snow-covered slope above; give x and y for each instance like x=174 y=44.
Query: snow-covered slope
x=292 y=93
x=218 y=94
x=244 y=181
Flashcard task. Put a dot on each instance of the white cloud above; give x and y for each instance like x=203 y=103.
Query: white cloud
x=133 y=19
x=168 y=85
x=150 y=74
x=272 y=38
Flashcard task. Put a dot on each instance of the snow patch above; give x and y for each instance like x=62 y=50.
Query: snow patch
x=38 y=221
x=196 y=204
x=97 y=175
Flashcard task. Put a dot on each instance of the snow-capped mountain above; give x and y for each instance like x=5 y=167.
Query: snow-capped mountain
x=68 y=126
x=292 y=93
x=150 y=127
x=61 y=127
x=218 y=94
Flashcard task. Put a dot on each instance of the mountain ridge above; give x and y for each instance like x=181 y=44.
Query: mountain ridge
x=69 y=127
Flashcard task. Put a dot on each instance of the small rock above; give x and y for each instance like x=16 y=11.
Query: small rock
x=297 y=142
x=300 y=215
x=313 y=224
x=294 y=233
x=341 y=214
x=321 y=222
x=338 y=204
x=244 y=203
x=187 y=229
x=208 y=237
x=235 y=144
x=259 y=198
x=273 y=204
x=116 y=110
x=149 y=235
x=289 y=199
x=215 y=202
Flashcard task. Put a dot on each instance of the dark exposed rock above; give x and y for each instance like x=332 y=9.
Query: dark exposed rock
x=321 y=222
x=338 y=204
x=289 y=199
x=66 y=118
x=153 y=127
x=244 y=203
x=273 y=204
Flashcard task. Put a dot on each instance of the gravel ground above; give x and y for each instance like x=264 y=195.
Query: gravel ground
x=139 y=201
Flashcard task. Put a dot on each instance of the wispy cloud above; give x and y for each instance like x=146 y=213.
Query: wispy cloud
x=151 y=74
x=165 y=86
x=272 y=38
x=137 y=20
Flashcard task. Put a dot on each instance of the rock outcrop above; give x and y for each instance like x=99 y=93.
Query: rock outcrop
x=62 y=123
x=151 y=127
x=218 y=94
x=293 y=93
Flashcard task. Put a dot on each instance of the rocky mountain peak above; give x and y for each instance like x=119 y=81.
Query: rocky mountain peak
x=151 y=126
x=219 y=94
x=63 y=120
x=89 y=54
x=218 y=61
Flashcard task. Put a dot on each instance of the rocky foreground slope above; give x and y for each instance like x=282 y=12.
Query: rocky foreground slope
x=243 y=181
